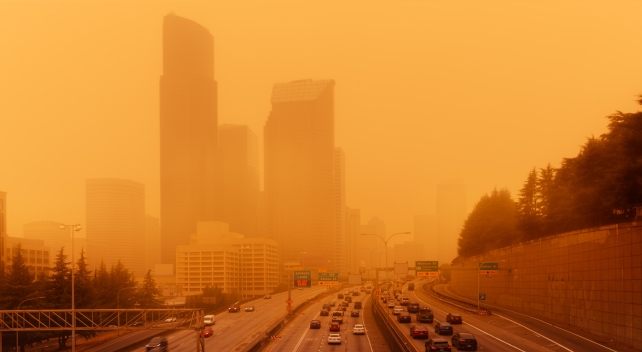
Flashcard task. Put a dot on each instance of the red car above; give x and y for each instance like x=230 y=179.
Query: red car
x=324 y=312
x=207 y=331
x=334 y=326
x=453 y=318
x=419 y=332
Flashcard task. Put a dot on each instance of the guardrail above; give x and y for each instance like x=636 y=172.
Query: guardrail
x=468 y=306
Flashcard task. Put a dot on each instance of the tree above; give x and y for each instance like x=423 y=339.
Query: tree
x=18 y=282
x=528 y=207
x=146 y=296
x=59 y=291
x=120 y=277
x=492 y=224
x=545 y=189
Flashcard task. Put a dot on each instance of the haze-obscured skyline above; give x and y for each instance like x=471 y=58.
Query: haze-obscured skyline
x=425 y=92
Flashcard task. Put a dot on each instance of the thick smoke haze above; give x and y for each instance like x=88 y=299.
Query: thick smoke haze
x=425 y=92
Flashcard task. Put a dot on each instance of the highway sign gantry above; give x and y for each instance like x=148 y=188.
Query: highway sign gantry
x=427 y=268
x=488 y=268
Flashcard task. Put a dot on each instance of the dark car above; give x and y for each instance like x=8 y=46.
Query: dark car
x=453 y=318
x=326 y=306
x=464 y=341
x=443 y=327
x=315 y=324
x=355 y=293
x=348 y=299
x=324 y=312
x=368 y=292
x=419 y=332
x=332 y=303
x=334 y=326
x=233 y=309
x=354 y=313
x=158 y=342
x=403 y=317
x=340 y=296
x=437 y=345
x=413 y=307
x=425 y=315
x=357 y=305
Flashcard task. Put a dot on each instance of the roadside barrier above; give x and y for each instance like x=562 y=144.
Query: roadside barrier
x=471 y=307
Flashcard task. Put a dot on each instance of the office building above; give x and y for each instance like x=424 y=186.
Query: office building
x=451 y=214
x=239 y=150
x=115 y=211
x=408 y=252
x=3 y=229
x=188 y=133
x=299 y=168
x=152 y=242
x=425 y=232
x=339 y=262
x=34 y=253
x=50 y=233
x=353 y=233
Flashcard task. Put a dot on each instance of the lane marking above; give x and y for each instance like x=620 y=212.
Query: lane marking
x=541 y=321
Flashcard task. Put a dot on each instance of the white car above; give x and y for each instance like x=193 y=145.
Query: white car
x=358 y=329
x=397 y=309
x=391 y=304
x=334 y=338
x=170 y=320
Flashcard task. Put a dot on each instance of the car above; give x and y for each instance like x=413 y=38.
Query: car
x=404 y=301
x=436 y=345
x=397 y=309
x=425 y=315
x=170 y=320
x=348 y=299
x=453 y=318
x=267 y=297
x=158 y=343
x=358 y=305
x=207 y=331
x=464 y=341
x=340 y=296
x=315 y=324
x=403 y=317
x=332 y=303
x=334 y=339
x=413 y=307
x=391 y=304
x=234 y=308
x=249 y=308
x=335 y=326
x=209 y=319
x=443 y=327
x=419 y=332
x=326 y=306
x=355 y=293
x=137 y=323
x=354 y=313
x=384 y=300
x=324 y=312
x=359 y=329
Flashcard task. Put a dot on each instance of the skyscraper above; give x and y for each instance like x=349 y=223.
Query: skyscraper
x=426 y=233
x=451 y=214
x=152 y=242
x=3 y=229
x=299 y=168
x=116 y=220
x=188 y=133
x=241 y=185
x=339 y=262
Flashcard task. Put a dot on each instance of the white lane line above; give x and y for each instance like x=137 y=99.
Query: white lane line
x=495 y=337
x=305 y=333
x=363 y=321
x=539 y=320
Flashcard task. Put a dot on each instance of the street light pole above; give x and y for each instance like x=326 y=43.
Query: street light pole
x=118 y=305
x=29 y=299
x=72 y=228
x=385 y=242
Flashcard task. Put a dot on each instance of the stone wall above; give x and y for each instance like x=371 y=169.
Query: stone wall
x=591 y=279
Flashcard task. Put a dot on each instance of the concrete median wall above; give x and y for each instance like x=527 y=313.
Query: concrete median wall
x=591 y=279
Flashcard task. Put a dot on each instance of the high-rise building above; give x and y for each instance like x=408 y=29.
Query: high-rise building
x=240 y=168
x=451 y=214
x=116 y=221
x=372 y=248
x=3 y=229
x=299 y=169
x=353 y=231
x=188 y=133
x=408 y=252
x=425 y=232
x=50 y=233
x=152 y=242
x=339 y=262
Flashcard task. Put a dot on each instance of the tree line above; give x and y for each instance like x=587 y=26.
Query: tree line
x=602 y=185
x=93 y=290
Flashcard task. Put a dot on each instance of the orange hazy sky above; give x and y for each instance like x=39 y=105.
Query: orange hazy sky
x=426 y=91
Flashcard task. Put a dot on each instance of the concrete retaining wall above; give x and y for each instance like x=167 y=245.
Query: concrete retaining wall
x=591 y=279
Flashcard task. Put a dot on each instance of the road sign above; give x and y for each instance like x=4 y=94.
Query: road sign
x=298 y=268
x=427 y=268
x=323 y=270
x=482 y=296
x=302 y=278
x=289 y=301
x=488 y=268
x=328 y=279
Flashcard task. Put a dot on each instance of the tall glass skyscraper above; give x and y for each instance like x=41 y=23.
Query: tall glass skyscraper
x=299 y=164
x=188 y=133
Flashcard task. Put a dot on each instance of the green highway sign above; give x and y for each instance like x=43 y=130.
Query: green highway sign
x=428 y=268
x=302 y=278
x=328 y=279
x=488 y=268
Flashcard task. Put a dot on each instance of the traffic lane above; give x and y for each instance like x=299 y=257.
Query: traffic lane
x=573 y=340
x=489 y=336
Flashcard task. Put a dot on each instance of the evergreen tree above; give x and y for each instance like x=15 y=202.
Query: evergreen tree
x=146 y=296
x=528 y=207
x=102 y=286
x=545 y=189
x=84 y=290
x=120 y=277
x=59 y=291
x=18 y=282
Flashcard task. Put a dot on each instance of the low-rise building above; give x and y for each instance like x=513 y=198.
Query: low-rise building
x=34 y=253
